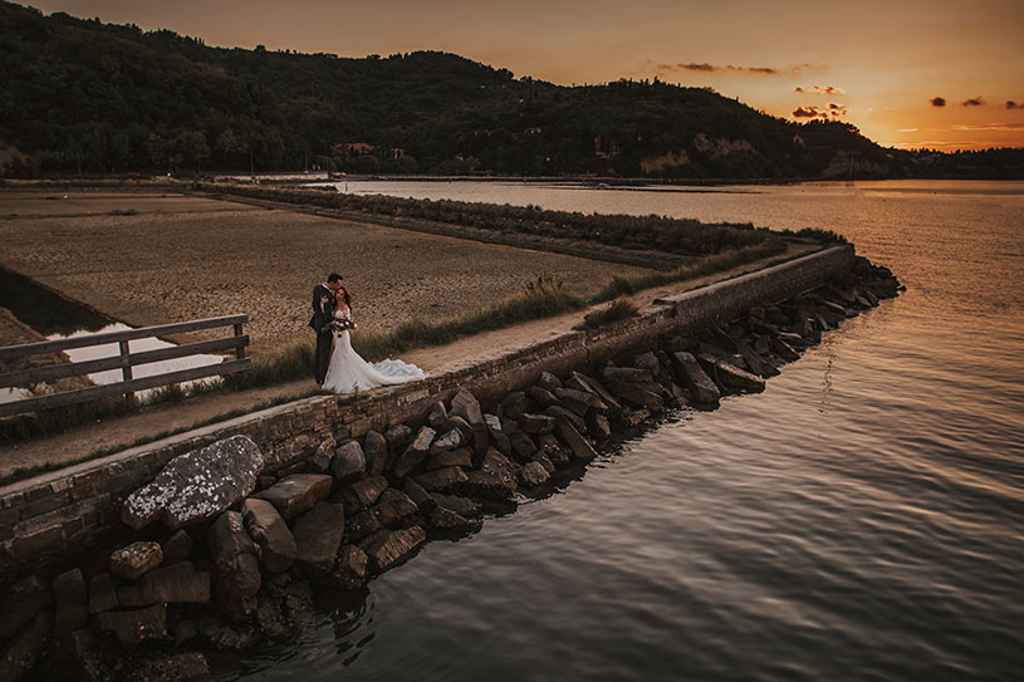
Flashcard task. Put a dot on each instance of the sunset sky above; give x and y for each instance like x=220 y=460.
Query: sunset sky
x=879 y=65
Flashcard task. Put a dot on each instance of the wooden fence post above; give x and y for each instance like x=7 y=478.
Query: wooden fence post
x=240 y=351
x=126 y=370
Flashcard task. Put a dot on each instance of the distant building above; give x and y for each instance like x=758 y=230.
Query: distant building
x=605 y=148
x=354 y=148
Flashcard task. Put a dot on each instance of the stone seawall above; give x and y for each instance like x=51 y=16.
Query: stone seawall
x=47 y=520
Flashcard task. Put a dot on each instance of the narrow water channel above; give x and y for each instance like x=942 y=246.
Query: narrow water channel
x=57 y=318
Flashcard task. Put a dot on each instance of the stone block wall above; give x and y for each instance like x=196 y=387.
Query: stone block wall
x=52 y=517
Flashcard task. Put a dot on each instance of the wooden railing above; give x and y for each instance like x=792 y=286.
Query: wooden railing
x=125 y=361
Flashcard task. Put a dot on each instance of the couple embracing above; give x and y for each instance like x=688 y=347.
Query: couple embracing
x=338 y=367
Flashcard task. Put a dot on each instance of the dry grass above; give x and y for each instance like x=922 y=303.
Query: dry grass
x=165 y=263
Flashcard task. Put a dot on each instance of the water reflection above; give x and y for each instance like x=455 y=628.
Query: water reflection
x=58 y=318
x=859 y=520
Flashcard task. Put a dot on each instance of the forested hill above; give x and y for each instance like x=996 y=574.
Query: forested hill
x=84 y=96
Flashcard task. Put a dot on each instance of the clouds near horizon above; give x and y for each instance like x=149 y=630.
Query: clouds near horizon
x=821 y=90
x=938 y=101
x=705 y=67
x=973 y=102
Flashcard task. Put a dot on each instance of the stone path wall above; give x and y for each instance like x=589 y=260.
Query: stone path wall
x=47 y=520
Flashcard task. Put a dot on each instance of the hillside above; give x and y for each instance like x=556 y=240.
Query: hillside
x=84 y=96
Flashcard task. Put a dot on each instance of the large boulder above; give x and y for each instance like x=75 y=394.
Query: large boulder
x=235 y=557
x=437 y=418
x=349 y=462
x=198 y=485
x=549 y=381
x=559 y=412
x=514 y=405
x=419 y=496
x=440 y=480
x=269 y=531
x=537 y=423
x=363 y=493
x=22 y=652
x=463 y=457
x=135 y=626
x=133 y=561
x=375 y=450
x=580 y=402
x=738 y=379
x=598 y=426
x=177 y=548
x=417 y=451
x=72 y=598
x=534 y=474
x=393 y=507
x=388 y=548
x=581 y=448
x=465 y=405
x=397 y=437
x=22 y=601
x=102 y=594
x=178 y=583
x=460 y=505
x=523 y=446
x=702 y=388
x=350 y=569
x=444 y=519
x=285 y=608
x=321 y=459
x=495 y=434
x=494 y=479
x=541 y=396
x=449 y=441
x=297 y=494
x=318 y=535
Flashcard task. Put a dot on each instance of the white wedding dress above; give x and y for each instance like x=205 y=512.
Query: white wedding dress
x=348 y=371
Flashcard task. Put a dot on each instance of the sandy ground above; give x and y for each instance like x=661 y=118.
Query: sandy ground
x=121 y=432
x=178 y=258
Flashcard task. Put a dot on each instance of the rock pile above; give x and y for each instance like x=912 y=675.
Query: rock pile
x=243 y=547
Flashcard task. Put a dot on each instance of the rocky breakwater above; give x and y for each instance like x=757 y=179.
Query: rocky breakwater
x=228 y=555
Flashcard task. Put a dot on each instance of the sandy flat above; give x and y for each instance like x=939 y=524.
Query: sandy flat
x=178 y=258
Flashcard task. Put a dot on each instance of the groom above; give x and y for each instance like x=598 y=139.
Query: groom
x=324 y=303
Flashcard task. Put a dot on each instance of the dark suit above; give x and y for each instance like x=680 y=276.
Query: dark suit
x=324 y=303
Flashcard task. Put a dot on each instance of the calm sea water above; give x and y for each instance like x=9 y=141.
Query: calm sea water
x=863 y=519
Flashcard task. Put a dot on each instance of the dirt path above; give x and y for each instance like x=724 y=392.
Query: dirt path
x=118 y=433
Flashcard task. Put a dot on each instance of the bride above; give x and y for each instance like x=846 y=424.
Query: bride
x=348 y=371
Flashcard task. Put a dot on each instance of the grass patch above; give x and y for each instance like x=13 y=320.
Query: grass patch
x=622 y=309
x=698 y=268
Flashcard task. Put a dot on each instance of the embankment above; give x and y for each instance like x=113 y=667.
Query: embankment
x=53 y=515
x=214 y=540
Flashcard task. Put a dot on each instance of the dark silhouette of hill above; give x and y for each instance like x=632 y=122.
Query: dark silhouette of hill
x=83 y=96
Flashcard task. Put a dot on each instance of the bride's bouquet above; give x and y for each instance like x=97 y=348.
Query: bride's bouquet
x=342 y=324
